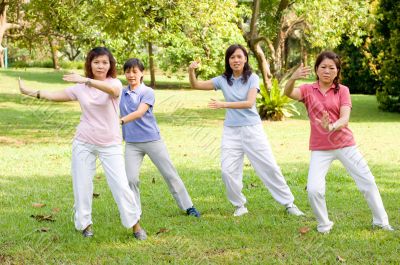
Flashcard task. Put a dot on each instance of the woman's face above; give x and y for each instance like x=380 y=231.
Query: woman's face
x=327 y=71
x=134 y=76
x=100 y=66
x=237 y=60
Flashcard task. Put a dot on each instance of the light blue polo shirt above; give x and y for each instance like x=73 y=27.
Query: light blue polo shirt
x=144 y=129
x=238 y=92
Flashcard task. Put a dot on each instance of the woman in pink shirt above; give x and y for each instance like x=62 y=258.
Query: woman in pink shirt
x=97 y=135
x=328 y=105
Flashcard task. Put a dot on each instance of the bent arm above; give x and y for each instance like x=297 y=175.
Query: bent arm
x=58 y=96
x=137 y=114
x=292 y=92
x=112 y=89
x=247 y=104
x=196 y=84
x=343 y=119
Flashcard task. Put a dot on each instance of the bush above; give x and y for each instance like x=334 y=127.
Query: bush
x=388 y=28
x=274 y=105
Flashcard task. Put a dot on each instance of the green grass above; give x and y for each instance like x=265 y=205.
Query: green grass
x=35 y=147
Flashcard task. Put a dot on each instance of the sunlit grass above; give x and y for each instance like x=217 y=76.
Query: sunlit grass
x=35 y=148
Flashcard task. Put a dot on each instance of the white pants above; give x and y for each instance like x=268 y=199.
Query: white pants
x=158 y=153
x=357 y=167
x=83 y=170
x=250 y=140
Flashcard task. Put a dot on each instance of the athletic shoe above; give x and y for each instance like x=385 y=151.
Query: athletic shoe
x=241 y=210
x=88 y=232
x=325 y=229
x=293 y=210
x=192 y=211
x=383 y=227
x=140 y=235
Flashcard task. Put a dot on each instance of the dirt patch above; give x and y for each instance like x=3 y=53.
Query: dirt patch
x=10 y=141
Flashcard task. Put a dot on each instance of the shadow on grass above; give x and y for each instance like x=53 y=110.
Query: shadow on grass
x=43 y=75
x=184 y=116
x=35 y=119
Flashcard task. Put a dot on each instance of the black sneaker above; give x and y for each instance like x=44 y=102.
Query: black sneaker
x=88 y=232
x=193 y=212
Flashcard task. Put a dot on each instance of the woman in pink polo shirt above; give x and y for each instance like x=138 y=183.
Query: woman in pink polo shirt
x=328 y=105
x=97 y=135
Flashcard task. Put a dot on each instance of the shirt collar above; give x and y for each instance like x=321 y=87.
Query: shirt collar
x=238 y=78
x=316 y=86
x=129 y=91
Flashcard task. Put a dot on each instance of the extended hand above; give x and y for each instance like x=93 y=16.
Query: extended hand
x=74 y=78
x=301 y=72
x=214 y=104
x=24 y=90
x=324 y=121
x=194 y=65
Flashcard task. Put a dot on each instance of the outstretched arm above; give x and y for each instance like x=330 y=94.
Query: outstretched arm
x=247 y=104
x=196 y=84
x=59 y=96
x=109 y=88
x=290 y=90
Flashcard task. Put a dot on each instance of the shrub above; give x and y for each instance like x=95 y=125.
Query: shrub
x=274 y=105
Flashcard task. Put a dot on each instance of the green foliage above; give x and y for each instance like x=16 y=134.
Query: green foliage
x=358 y=64
x=274 y=105
x=388 y=28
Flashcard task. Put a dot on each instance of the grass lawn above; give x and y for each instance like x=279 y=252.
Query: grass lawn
x=35 y=148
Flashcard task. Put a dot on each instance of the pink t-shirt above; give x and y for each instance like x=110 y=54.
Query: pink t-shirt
x=316 y=102
x=99 y=124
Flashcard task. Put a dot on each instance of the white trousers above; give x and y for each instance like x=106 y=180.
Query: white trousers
x=83 y=170
x=357 y=167
x=158 y=153
x=252 y=141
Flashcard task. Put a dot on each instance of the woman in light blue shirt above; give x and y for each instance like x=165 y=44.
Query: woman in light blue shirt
x=243 y=132
x=142 y=137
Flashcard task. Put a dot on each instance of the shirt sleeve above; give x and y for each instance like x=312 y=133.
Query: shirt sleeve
x=254 y=82
x=217 y=82
x=303 y=92
x=148 y=97
x=345 y=99
x=71 y=92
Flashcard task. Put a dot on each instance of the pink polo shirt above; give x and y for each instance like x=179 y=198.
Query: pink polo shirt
x=316 y=102
x=99 y=124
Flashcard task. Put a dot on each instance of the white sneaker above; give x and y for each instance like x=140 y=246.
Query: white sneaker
x=383 y=227
x=325 y=229
x=293 y=210
x=241 y=210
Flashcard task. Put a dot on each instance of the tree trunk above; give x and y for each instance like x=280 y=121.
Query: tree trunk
x=54 y=50
x=263 y=65
x=151 y=66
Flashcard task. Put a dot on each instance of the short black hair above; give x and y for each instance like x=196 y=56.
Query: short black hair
x=133 y=62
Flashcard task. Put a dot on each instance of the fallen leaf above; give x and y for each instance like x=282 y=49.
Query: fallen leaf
x=41 y=218
x=38 y=205
x=95 y=194
x=162 y=230
x=43 y=229
x=340 y=259
x=56 y=210
x=304 y=230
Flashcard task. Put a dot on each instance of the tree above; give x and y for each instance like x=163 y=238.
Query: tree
x=274 y=22
x=388 y=29
x=66 y=26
